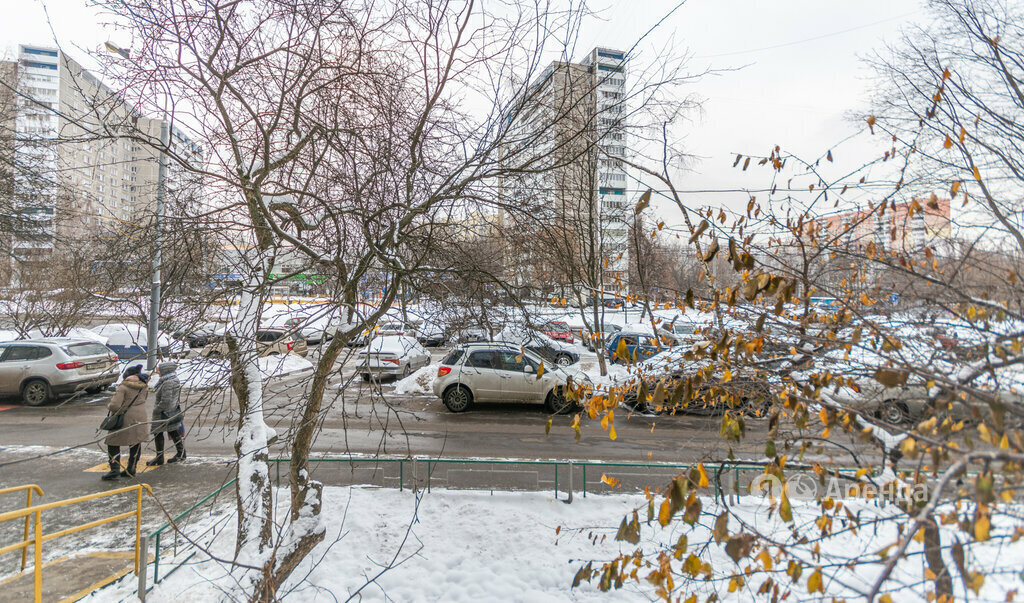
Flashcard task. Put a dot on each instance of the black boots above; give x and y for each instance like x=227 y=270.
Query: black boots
x=180 y=456
x=157 y=460
x=133 y=460
x=115 y=470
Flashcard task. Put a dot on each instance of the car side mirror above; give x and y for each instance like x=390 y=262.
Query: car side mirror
x=528 y=368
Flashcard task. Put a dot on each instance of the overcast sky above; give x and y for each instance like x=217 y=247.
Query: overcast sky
x=797 y=72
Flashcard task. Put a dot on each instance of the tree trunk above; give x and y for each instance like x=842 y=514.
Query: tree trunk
x=933 y=557
x=254 y=496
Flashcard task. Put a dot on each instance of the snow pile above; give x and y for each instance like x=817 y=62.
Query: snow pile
x=421 y=382
x=454 y=545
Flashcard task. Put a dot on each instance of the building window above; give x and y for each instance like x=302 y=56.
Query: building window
x=45 y=53
x=40 y=65
x=607 y=68
x=604 y=190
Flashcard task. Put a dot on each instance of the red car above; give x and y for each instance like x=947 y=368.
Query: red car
x=558 y=330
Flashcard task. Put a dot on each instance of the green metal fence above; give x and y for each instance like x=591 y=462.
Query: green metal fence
x=408 y=471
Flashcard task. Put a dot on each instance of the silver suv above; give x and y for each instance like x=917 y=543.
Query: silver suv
x=490 y=372
x=40 y=369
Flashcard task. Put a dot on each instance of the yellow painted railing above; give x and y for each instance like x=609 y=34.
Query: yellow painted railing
x=29 y=488
x=38 y=538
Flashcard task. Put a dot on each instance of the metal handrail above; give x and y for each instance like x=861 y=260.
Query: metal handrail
x=29 y=489
x=155 y=534
x=38 y=538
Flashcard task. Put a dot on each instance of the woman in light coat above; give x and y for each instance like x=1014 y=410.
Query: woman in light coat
x=128 y=400
x=167 y=414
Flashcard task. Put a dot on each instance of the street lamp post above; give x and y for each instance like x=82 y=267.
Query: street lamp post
x=152 y=332
x=153 y=341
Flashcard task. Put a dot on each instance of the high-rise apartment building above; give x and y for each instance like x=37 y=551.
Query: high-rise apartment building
x=75 y=170
x=570 y=133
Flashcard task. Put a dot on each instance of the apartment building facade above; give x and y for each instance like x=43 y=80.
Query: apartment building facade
x=78 y=168
x=569 y=132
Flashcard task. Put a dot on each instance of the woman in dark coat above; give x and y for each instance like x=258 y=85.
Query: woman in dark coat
x=167 y=414
x=128 y=400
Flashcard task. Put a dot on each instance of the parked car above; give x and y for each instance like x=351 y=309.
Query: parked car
x=471 y=335
x=498 y=372
x=609 y=331
x=554 y=352
x=557 y=329
x=392 y=355
x=396 y=328
x=612 y=302
x=270 y=342
x=200 y=335
x=318 y=330
x=431 y=335
x=362 y=337
x=40 y=369
x=705 y=391
x=130 y=341
x=639 y=346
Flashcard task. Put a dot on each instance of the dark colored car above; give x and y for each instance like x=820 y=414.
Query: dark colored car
x=639 y=346
x=688 y=389
x=197 y=336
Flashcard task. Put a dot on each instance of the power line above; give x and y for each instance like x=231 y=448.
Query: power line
x=805 y=40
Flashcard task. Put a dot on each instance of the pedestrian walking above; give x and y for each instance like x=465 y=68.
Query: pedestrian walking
x=167 y=414
x=128 y=401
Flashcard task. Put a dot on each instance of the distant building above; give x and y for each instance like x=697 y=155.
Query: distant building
x=893 y=229
x=75 y=172
x=571 y=130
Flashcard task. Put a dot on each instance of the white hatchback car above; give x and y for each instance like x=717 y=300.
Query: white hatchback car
x=495 y=372
x=392 y=355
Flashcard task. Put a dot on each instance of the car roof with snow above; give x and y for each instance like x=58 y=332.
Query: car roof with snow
x=389 y=343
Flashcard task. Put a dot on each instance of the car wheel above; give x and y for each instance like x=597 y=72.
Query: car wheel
x=457 y=398
x=895 y=412
x=558 y=404
x=366 y=376
x=35 y=392
x=94 y=390
x=563 y=360
x=406 y=371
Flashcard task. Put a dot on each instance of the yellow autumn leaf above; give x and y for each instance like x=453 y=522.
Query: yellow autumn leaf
x=611 y=432
x=703 y=483
x=611 y=481
x=948 y=143
x=981 y=527
x=885 y=599
x=785 y=510
x=814 y=583
x=665 y=513
x=977 y=174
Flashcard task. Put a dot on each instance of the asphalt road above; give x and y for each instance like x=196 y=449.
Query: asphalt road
x=362 y=418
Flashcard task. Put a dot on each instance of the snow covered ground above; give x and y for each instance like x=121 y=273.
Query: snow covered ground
x=452 y=545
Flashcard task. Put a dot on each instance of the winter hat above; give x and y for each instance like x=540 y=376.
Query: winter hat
x=166 y=368
x=135 y=369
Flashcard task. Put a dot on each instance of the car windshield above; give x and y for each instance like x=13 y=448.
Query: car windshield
x=86 y=349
